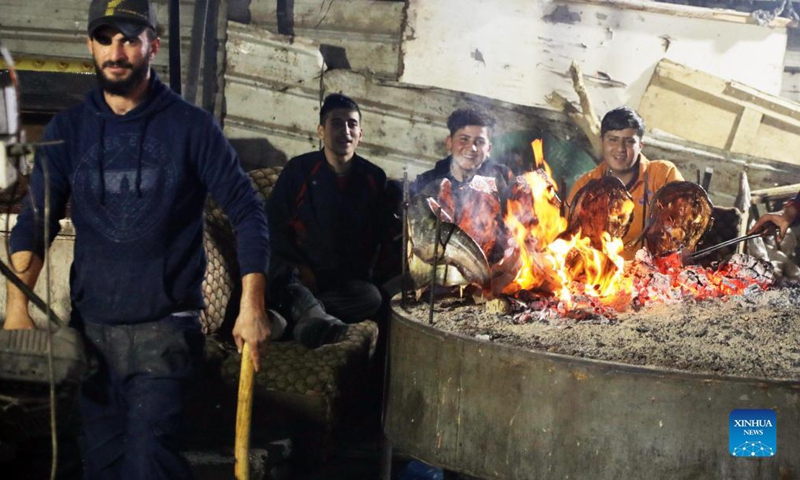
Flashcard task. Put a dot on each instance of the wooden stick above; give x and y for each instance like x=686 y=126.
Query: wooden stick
x=244 y=410
x=743 y=202
x=766 y=194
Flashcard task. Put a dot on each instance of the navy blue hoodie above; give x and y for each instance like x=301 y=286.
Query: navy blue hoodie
x=138 y=184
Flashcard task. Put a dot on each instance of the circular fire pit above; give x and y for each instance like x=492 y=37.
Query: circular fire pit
x=497 y=411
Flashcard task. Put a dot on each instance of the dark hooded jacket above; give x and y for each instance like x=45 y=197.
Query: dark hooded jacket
x=138 y=184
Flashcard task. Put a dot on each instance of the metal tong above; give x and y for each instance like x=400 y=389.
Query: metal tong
x=702 y=253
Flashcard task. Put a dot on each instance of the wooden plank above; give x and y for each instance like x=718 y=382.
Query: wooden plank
x=520 y=51
x=355 y=16
x=274 y=85
x=772 y=105
x=746 y=130
x=702 y=108
x=718 y=14
x=769 y=194
x=367 y=31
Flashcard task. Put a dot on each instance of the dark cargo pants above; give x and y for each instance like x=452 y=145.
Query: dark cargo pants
x=132 y=404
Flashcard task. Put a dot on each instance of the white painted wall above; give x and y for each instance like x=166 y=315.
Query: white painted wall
x=511 y=50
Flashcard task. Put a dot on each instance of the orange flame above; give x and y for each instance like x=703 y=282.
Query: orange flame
x=561 y=266
x=580 y=274
x=538 y=157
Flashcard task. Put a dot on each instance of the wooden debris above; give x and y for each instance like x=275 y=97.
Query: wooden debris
x=586 y=119
x=500 y=306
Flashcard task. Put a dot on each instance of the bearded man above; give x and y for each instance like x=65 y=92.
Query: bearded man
x=137 y=163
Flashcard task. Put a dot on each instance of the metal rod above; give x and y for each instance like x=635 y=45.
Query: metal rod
x=435 y=262
x=726 y=243
x=51 y=371
x=404 y=260
x=285 y=16
x=646 y=201
x=707 y=178
x=210 y=58
x=198 y=40
x=175 y=46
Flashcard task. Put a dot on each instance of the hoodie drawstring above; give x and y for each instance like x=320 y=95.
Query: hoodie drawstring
x=101 y=153
x=140 y=153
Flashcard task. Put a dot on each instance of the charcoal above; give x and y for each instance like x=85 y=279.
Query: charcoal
x=747 y=267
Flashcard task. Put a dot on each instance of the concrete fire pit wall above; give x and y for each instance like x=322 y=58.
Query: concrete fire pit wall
x=496 y=411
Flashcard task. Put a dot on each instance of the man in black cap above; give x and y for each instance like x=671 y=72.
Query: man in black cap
x=137 y=163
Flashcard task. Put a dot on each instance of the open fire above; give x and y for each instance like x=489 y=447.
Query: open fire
x=543 y=260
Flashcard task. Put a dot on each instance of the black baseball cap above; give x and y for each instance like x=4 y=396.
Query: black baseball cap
x=130 y=17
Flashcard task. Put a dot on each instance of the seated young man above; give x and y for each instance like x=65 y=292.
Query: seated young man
x=621 y=134
x=327 y=216
x=469 y=146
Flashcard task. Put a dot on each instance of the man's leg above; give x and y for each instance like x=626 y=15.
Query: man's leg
x=103 y=417
x=352 y=301
x=132 y=407
x=165 y=356
x=313 y=326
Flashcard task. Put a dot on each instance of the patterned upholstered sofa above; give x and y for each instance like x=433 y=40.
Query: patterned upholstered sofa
x=299 y=393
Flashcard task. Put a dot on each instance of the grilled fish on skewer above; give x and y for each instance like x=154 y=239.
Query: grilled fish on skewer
x=461 y=251
x=680 y=213
x=602 y=205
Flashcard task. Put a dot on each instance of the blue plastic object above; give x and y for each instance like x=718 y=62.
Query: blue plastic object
x=416 y=470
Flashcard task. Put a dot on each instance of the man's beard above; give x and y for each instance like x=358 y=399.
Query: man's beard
x=124 y=87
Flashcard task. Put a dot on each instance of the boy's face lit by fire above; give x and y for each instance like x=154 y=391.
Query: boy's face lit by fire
x=621 y=149
x=470 y=147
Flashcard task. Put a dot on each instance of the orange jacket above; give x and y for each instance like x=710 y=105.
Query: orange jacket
x=658 y=172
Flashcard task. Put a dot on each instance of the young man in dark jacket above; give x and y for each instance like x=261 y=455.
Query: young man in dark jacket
x=327 y=217
x=137 y=162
